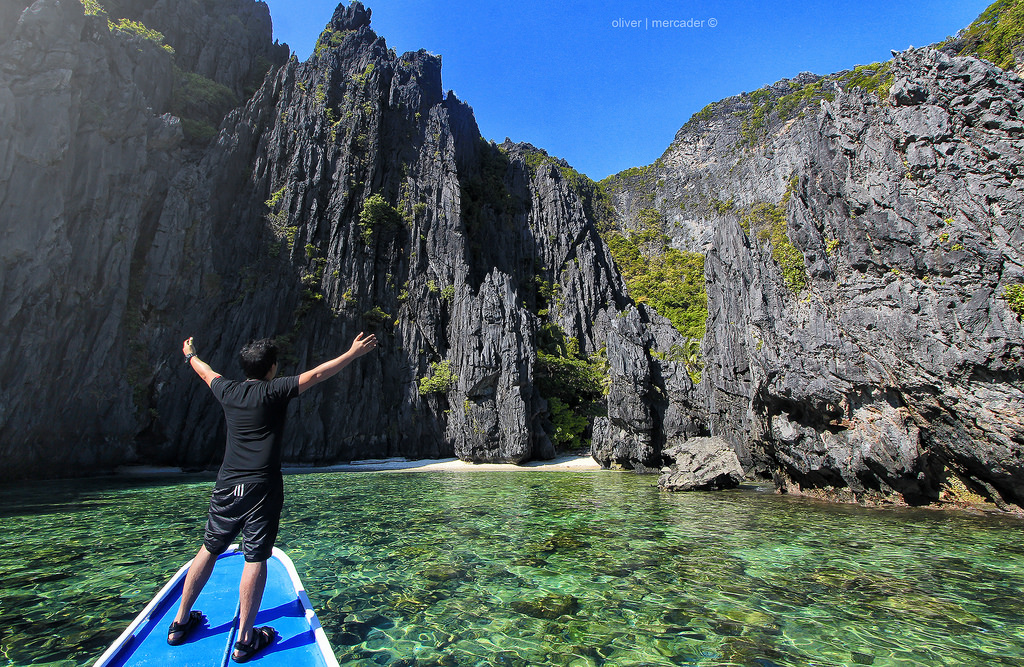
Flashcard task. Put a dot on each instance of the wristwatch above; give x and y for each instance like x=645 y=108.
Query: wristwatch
x=189 y=356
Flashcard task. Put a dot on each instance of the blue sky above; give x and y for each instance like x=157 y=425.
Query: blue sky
x=569 y=77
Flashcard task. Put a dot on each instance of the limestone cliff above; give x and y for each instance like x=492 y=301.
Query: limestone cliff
x=85 y=162
x=859 y=249
x=352 y=194
x=347 y=193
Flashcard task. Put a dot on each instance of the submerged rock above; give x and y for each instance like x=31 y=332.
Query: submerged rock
x=561 y=542
x=550 y=606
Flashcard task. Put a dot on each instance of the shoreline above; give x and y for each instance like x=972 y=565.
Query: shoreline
x=400 y=464
x=562 y=463
x=571 y=464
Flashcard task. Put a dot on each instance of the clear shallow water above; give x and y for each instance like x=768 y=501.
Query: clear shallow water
x=537 y=568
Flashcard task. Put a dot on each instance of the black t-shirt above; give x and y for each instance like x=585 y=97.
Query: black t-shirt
x=255 y=412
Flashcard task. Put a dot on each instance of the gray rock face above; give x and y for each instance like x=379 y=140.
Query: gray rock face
x=84 y=166
x=651 y=400
x=266 y=232
x=627 y=437
x=87 y=154
x=701 y=464
x=899 y=363
x=230 y=45
x=492 y=357
x=923 y=202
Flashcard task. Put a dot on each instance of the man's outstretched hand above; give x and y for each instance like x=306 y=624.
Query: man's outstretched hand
x=198 y=365
x=363 y=344
x=360 y=346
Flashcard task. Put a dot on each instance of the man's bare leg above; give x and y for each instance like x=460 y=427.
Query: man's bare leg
x=198 y=574
x=250 y=594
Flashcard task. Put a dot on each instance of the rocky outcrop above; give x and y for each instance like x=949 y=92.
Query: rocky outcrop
x=920 y=195
x=891 y=363
x=651 y=398
x=701 y=464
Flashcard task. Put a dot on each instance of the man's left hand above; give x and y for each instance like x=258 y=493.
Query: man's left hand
x=363 y=344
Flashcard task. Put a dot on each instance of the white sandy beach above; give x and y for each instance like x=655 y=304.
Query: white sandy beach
x=565 y=463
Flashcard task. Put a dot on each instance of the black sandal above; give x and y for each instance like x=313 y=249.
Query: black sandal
x=261 y=639
x=195 y=619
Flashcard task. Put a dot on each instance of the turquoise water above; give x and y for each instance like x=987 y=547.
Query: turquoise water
x=537 y=568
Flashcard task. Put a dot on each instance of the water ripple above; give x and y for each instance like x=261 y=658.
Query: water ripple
x=594 y=569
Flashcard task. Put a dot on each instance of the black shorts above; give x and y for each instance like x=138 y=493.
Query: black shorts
x=252 y=509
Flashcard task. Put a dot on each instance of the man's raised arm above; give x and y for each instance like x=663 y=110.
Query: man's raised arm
x=198 y=365
x=360 y=346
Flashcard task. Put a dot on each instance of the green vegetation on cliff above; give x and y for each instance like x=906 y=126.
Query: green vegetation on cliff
x=201 y=103
x=996 y=34
x=377 y=216
x=126 y=26
x=439 y=380
x=1014 y=295
x=768 y=107
x=328 y=39
x=136 y=29
x=875 y=78
x=768 y=222
x=93 y=8
x=572 y=383
x=669 y=280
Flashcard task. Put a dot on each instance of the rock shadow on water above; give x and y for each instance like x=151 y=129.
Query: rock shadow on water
x=551 y=606
x=758 y=652
x=443 y=574
x=561 y=542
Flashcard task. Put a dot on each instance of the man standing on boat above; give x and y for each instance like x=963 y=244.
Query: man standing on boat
x=249 y=495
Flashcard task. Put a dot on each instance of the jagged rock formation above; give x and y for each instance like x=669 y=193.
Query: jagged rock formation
x=652 y=405
x=348 y=193
x=701 y=464
x=892 y=362
x=451 y=279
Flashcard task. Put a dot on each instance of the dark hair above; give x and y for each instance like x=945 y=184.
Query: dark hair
x=257 y=357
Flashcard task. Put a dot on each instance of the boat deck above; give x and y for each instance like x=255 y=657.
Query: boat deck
x=285 y=607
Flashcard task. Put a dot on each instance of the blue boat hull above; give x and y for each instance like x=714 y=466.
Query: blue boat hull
x=285 y=606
